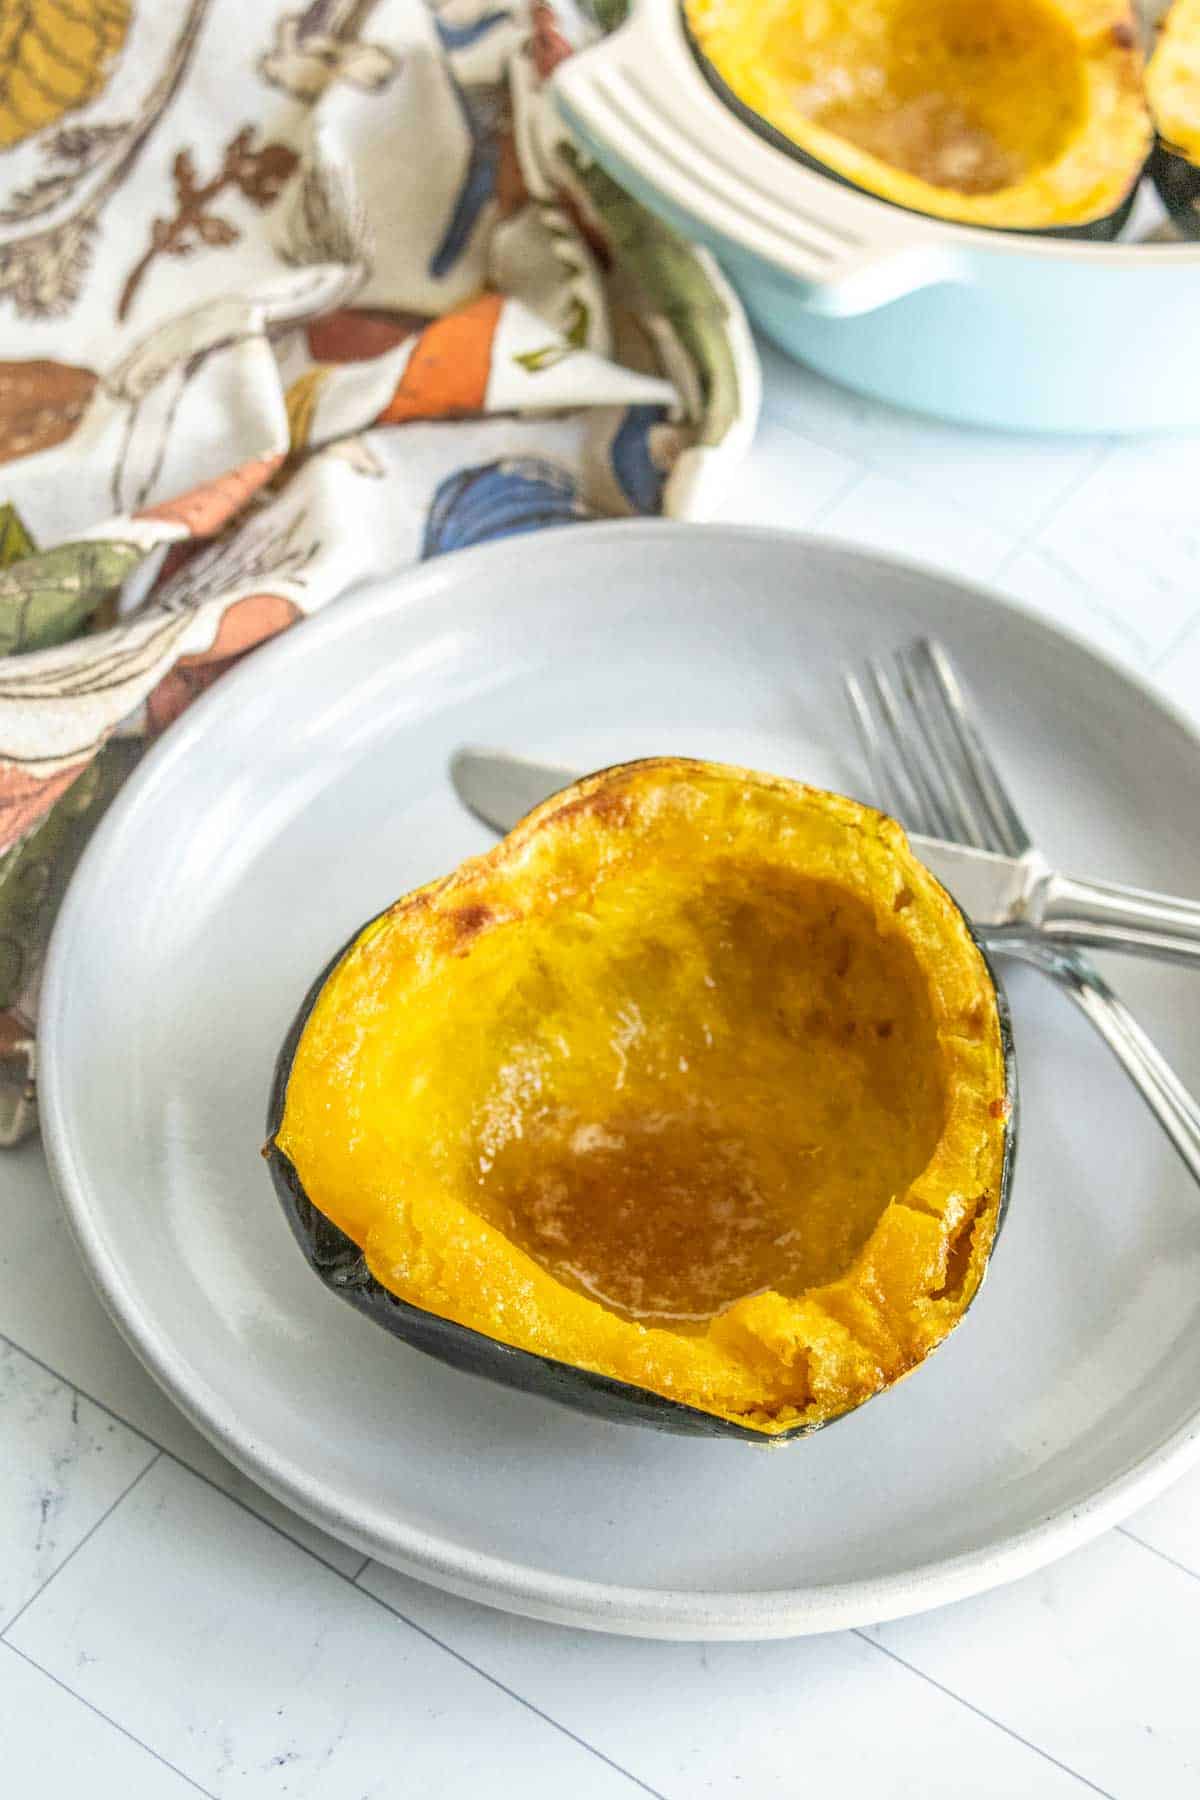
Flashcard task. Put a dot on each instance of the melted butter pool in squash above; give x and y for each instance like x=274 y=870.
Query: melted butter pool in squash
x=968 y=96
x=695 y=1081
x=751 y=1077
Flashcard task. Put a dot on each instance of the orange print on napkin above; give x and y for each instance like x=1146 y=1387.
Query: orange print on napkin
x=447 y=373
x=26 y=798
x=245 y=625
x=205 y=509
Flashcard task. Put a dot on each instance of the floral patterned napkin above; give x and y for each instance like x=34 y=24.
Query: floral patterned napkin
x=293 y=296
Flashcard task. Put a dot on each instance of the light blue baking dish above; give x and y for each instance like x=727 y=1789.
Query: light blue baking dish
x=1002 y=329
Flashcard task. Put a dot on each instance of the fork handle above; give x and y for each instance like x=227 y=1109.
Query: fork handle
x=1166 y=1096
x=1107 y=917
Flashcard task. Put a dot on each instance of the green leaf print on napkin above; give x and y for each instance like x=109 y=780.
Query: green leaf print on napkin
x=675 y=285
x=15 y=541
x=608 y=14
x=35 y=872
x=47 y=596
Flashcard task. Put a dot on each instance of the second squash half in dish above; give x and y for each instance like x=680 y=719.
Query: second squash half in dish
x=1173 y=87
x=1024 y=115
x=689 y=1103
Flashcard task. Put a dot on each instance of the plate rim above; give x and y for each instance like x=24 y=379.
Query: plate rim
x=690 y=1614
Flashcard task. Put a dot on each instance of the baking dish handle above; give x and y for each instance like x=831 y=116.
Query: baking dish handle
x=639 y=104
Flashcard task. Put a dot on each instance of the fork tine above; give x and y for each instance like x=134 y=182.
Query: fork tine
x=888 y=791
x=1005 y=832
x=961 y=800
x=909 y=751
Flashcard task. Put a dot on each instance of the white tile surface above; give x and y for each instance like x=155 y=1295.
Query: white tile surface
x=827 y=1715
x=884 y=514
x=1171 y=1524
x=1131 y=535
x=1039 y=578
x=49 y=1307
x=63 y=1464
x=1012 y=482
x=1080 y=1660
x=258 y=1672
x=786 y=480
x=1177 y=673
x=54 y=1745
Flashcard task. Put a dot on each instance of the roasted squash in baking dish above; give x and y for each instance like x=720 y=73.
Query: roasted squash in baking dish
x=1024 y=115
x=1173 y=90
x=691 y=1103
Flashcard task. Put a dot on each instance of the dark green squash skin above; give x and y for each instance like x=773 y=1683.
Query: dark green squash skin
x=338 y=1262
x=1101 y=231
x=1178 y=181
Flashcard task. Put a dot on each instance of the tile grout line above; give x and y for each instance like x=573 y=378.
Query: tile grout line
x=859 y=471
x=1135 y=649
x=868 y=465
x=355 y=1582
x=835 y=500
x=1017 y=548
x=505 y=1689
x=1046 y=1755
x=863 y=470
x=180 y=1461
x=1154 y=1551
x=1095 y=463
x=1025 y=539
x=1176 y=643
x=95 y=1711
x=74 y=1551
x=40 y=1363
x=339 y=1574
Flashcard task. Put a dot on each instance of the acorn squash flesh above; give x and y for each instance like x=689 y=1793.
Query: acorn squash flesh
x=691 y=1103
x=1021 y=115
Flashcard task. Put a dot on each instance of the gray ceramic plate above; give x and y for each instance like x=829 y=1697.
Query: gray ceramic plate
x=309 y=789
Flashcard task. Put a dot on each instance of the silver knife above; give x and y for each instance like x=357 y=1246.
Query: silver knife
x=1022 y=894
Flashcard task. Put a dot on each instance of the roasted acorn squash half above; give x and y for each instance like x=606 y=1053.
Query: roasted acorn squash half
x=1020 y=115
x=1173 y=90
x=690 y=1104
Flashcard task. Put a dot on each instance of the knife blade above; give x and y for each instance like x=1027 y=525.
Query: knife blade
x=500 y=788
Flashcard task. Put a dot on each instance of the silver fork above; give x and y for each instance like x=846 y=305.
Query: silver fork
x=932 y=772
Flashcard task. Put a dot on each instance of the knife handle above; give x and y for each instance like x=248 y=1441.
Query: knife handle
x=1104 y=916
